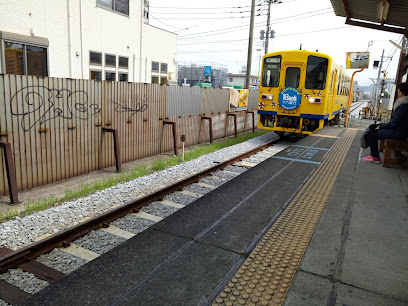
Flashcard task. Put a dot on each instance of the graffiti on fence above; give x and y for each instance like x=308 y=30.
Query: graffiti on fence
x=46 y=104
x=138 y=107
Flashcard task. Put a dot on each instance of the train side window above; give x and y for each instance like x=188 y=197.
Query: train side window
x=292 y=77
x=339 y=84
x=316 y=73
x=271 y=71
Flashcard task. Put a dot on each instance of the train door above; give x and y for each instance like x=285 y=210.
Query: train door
x=292 y=76
x=332 y=100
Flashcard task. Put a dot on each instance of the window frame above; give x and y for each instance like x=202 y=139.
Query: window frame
x=263 y=78
x=158 y=67
x=123 y=73
x=311 y=75
x=24 y=41
x=93 y=63
x=123 y=57
x=161 y=66
x=110 y=71
x=110 y=65
x=114 y=8
x=95 y=70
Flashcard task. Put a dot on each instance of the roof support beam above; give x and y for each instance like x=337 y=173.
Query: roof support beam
x=346 y=8
x=376 y=26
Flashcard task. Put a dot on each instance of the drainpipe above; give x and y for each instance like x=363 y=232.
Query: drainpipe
x=141 y=27
x=134 y=68
x=82 y=44
x=69 y=10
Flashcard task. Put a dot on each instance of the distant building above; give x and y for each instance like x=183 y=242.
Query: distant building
x=358 y=94
x=239 y=80
x=194 y=73
x=92 y=39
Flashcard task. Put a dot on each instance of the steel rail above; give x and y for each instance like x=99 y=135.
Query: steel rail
x=64 y=237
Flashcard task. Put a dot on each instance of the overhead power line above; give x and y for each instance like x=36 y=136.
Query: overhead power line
x=245 y=26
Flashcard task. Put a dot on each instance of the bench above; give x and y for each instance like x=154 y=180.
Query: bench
x=393 y=145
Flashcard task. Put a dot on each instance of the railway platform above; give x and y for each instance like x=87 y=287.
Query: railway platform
x=313 y=225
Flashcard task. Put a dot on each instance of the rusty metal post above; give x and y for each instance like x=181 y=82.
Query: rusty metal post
x=11 y=171
x=173 y=124
x=116 y=146
x=253 y=119
x=210 y=127
x=235 y=123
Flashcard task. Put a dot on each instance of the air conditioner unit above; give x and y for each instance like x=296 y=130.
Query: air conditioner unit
x=171 y=76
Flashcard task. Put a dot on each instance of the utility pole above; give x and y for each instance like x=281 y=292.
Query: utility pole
x=249 y=61
x=377 y=101
x=268 y=24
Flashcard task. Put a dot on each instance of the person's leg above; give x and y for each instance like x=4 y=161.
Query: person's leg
x=372 y=140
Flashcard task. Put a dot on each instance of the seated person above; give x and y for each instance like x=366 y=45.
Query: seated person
x=396 y=128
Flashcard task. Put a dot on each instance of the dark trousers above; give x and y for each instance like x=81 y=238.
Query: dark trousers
x=372 y=140
x=374 y=136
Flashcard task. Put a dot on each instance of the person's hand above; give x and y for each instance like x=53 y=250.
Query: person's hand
x=373 y=126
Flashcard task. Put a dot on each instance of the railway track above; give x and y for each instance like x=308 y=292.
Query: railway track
x=52 y=257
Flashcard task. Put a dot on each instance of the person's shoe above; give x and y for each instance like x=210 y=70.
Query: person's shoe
x=371 y=159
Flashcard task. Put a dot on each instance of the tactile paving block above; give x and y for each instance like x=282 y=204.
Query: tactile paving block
x=266 y=275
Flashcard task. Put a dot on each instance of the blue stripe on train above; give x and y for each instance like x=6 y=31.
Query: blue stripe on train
x=307 y=116
x=310 y=116
x=262 y=112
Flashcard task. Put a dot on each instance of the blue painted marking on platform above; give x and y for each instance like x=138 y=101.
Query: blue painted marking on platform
x=311 y=147
x=298 y=160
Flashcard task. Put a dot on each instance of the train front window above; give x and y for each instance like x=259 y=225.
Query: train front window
x=316 y=72
x=271 y=71
x=292 y=77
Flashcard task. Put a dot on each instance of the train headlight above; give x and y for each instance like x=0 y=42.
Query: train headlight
x=315 y=100
x=267 y=97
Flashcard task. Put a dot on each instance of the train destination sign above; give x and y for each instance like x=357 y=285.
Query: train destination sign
x=290 y=98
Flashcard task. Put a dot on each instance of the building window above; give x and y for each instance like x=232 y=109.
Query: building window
x=163 y=81
x=96 y=75
x=163 y=68
x=123 y=62
x=155 y=67
x=155 y=80
x=25 y=59
x=231 y=79
x=120 y=6
x=123 y=77
x=95 y=58
x=110 y=76
x=110 y=60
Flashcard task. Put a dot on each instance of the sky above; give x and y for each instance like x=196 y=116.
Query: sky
x=215 y=31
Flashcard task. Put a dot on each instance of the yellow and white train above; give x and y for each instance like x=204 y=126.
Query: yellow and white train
x=300 y=91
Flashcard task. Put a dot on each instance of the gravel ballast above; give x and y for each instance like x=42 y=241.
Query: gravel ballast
x=21 y=232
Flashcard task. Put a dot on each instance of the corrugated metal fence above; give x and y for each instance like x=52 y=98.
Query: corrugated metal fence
x=55 y=125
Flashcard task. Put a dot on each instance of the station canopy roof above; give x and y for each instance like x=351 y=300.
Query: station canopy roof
x=373 y=14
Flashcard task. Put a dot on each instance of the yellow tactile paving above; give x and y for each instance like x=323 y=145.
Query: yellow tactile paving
x=266 y=275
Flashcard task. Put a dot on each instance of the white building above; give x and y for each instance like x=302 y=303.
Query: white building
x=239 y=80
x=85 y=39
